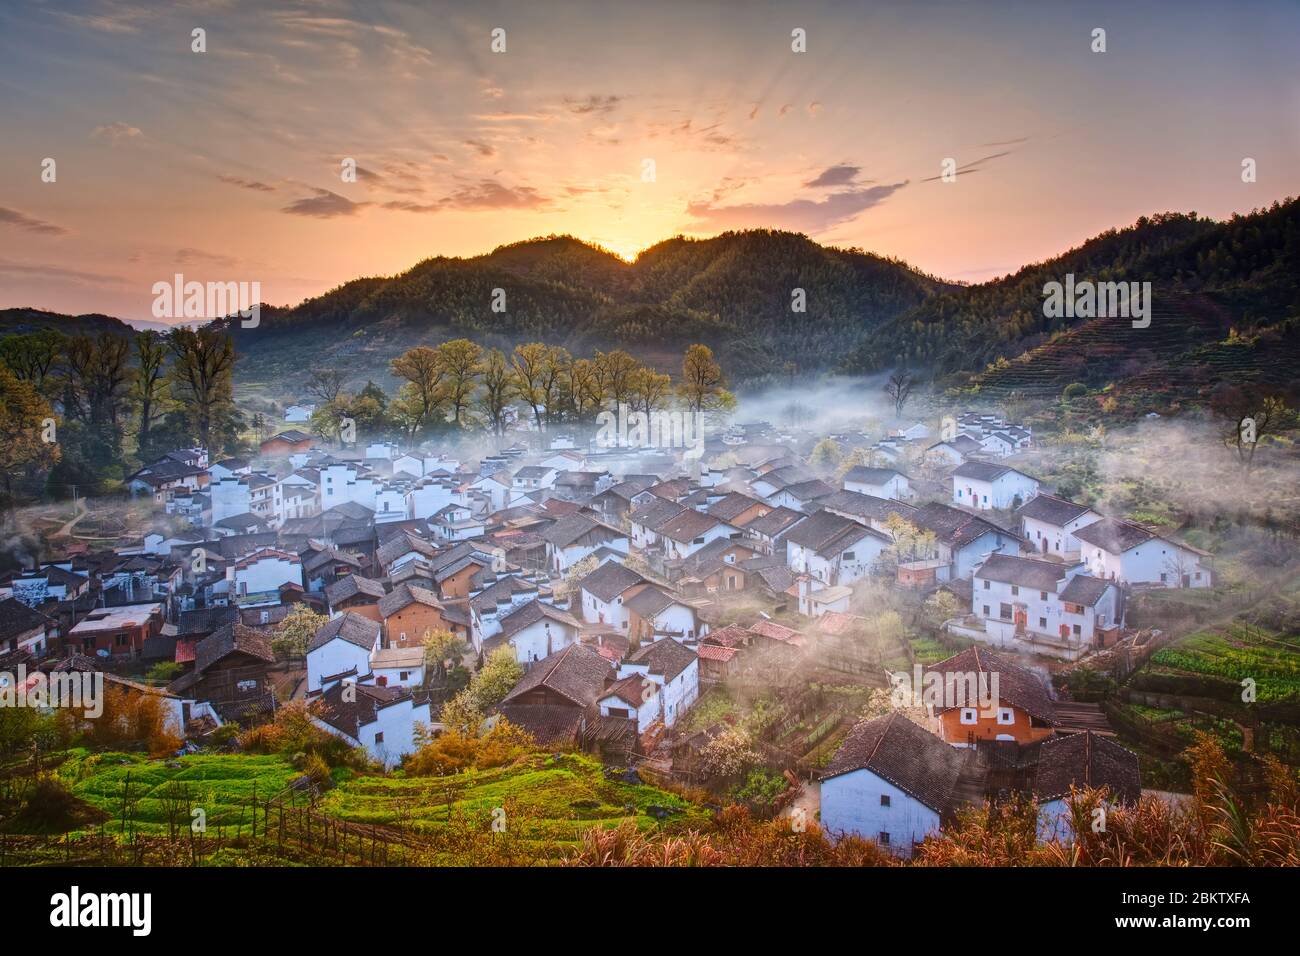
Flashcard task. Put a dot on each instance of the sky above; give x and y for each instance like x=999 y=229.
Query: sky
x=228 y=164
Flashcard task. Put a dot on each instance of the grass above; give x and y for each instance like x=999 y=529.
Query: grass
x=1237 y=653
x=714 y=705
x=547 y=799
x=222 y=784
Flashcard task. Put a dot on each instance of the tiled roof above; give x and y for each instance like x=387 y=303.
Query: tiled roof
x=1025 y=572
x=908 y=756
x=1086 y=760
x=576 y=673
x=664 y=657
x=1051 y=509
x=352 y=628
x=610 y=580
x=1114 y=535
x=1017 y=686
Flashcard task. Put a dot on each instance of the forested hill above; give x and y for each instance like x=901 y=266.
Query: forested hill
x=733 y=292
x=1246 y=270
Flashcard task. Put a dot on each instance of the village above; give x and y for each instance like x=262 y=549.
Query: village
x=728 y=617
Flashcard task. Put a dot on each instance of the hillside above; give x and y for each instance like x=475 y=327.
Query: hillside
x=1207 y=277
x=732 y=291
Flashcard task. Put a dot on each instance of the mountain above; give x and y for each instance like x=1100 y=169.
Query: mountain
x=733 y=292
x=1226 y=301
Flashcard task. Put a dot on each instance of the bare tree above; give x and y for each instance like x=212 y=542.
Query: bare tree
x=325 y=384
x=899 y=389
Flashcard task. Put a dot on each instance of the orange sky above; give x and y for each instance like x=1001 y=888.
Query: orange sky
x=225 y=165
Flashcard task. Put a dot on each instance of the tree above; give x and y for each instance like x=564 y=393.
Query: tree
x=34 y=356
x=498 y=675
x=568 y=585
x=498 y=390
x=729 y=754
x=650 y=389
x=148 y=388
x=825 y=454
x=423 y=396
x=460 y=359
x=1251 y=416
x=702 y=387
x=202 y=380
x=899 y=389
x=529 y=364
x=859 y=456
x=618 y=373
x=941 y=606
x=296 y=631
x=439 y=648
x=24 y=452
x=325 y=384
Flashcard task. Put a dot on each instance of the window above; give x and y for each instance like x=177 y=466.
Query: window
x=1004 y=612
x=379 y=737
x=1006 y=716
x=986 y=585
x=884 y=838
x=986 y=610
x=884 y=799
x=1042 y=595
x=1042 y=622
x=848 y=555
x=1015 y=589
x=403 y=675
x=968 y=715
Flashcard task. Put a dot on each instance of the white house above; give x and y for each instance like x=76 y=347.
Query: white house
x=456 y=523
x=341 y=648
x=878 y=482
x=983 y=485
x=832 y=549
x=1124 y=552
x=535 y=631
x=690 y=530
x=962 y=540
x=381 y=719
x=1044 y=607
x=891 y=781
x=659 y=614
x=1048 y=524
x=534 y=478
x=577 y=535
x=603 y=592
x=256 y=577
x=398 y=666
x=299 y=414
x=1081 y=761
x=675 y=672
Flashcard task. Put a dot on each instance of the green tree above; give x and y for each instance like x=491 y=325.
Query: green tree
x=296 y=631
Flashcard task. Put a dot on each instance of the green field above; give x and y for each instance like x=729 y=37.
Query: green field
x=1236 y=653
x=544 y=800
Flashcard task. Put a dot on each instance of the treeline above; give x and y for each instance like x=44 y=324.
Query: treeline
x=461 y=386
x=1252 y=261
x=115 y=402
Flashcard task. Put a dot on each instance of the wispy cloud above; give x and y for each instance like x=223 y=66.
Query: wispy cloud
x=798 y=215
x=485 y=194
x=595 y=103
x=841 y=175
x=323 y=204
x=12 y=217
x=117 y=132
x=974 y=166
x=252 y=184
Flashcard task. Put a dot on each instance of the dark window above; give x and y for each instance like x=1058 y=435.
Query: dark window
x=986 y=585
x=379 y=737
x=884 y=799
x=1015 y=589
x=884 y=838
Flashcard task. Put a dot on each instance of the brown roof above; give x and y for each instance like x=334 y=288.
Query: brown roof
x=352 y=628
x=687 y=525
x=1017 y=686
x=610 y=580
x=233 y=638
x=548 y=723
x=1086 y=760
x=734 y=504
x=908 y=756
x=665 y=657
x=531 y=613
x=1114 y=535
x=349 y=586
x=1024 y=572
x=351 y=716
x=576 y=673
x=404 y=595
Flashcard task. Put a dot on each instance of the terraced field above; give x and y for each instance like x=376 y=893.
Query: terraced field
x=1237 y=653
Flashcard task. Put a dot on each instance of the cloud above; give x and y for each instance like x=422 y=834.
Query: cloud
x=188 y=256
x=595 y=103
x=324 y=205
x=482 y=148
x=972 y=167
x=51 y=273
x=247 y=184
x=485 y=194
x=12 y=217
x=798 y=215
x=116 y=132
x=841 y=175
